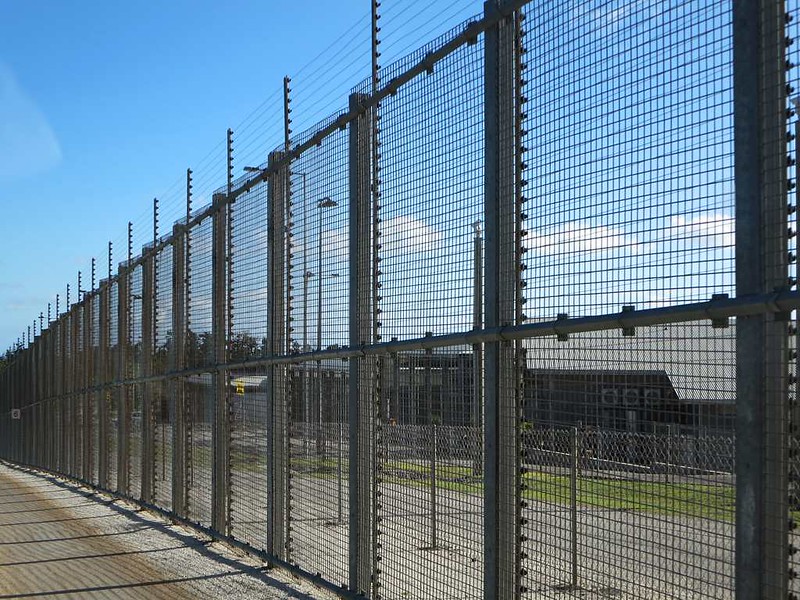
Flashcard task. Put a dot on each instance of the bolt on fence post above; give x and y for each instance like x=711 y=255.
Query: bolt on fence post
x=502 y=477
x=759 y=105
x=277 y=441
x=180 y=234
x=361 y=388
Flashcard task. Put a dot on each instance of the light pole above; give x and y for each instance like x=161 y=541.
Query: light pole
x=477 y=349
x=323 y=204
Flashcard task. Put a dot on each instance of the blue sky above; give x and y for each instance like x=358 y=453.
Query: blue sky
x=104 y=105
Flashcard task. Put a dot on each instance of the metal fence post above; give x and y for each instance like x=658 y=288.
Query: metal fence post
x=122 y=391
x=148 y=341
x=277 y=517
x=74 y=434
x=221 y=428
x=179 y=431
x=88 y=381
x=103 y=371
x=501 y=424
x=762 y=342
x=362 y=377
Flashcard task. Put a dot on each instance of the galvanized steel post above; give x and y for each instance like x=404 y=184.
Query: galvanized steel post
x=501 y=458
x=762 y=342
x=122 y=389
x=361 y=399
x=179 y=494
x=277 y=438
x=103 y=370
x=148 y=342
x=221 y=427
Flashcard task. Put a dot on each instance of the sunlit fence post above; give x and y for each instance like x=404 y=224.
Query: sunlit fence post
x=276 y=380
x=180 y=234
x=761 y=247
x=147 y=350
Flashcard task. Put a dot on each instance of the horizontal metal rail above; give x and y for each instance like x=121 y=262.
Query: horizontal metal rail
x=717 y=309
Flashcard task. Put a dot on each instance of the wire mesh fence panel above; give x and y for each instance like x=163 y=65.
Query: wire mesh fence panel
x=198 y=389
x=431 y=477
x=136 y=368
x=318 y=413
x=249 y=410
x=431 y=173
x=163 y=404
x=111 y=399
x=629 y=152
x=628 y=453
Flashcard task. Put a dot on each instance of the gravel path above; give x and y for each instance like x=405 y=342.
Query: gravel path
x=60 y=540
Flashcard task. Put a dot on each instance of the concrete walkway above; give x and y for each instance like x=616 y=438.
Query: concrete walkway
x=63 y=541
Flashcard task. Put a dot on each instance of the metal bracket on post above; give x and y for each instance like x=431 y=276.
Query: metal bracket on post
x=277 y=441
x=762 y=512
x=501 y=459
x=221 y=429
x=361 y=404
x=179 y=493
x=123 y=394
x=148 y=342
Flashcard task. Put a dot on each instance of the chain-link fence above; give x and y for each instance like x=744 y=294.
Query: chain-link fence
x=519 y=321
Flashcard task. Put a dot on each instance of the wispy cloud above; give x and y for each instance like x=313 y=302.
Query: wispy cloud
x=400 y=235
x=715 y=229
x=28 y=144
x=581 y=237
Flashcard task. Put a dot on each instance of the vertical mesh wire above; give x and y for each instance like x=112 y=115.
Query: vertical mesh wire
x=249 y=411
x=199 y=390
x=135 y=360
x=163 y=404
x=431 y=160
x=317 y=451
x=97 y=379
x=112 y=428
x=628 y=435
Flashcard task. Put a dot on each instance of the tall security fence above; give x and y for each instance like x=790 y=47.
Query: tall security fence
x=517 y=322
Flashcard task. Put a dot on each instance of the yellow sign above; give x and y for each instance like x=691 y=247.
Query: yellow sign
x=239 y=387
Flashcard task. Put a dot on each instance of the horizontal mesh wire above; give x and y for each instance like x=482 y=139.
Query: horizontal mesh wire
x=135 y=391
x=199 y=394
x=249 y=414
x=629 y=152
x=431 y=173
x=163 y=402
x=318 y=408
x=431 y=476
x=642 y=427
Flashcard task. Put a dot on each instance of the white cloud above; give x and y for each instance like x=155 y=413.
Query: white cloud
x=399 y=235
x=581 y=237
x=714 y=229
x=28 y=144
